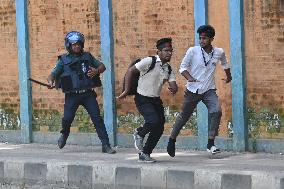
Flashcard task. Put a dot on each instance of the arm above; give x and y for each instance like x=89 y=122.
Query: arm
x=137 y=68
x=96 y=68
x=128 y=78
x=173 y=87
x=51 y=81
x=172 y=82
x=94 y=71
x=188 y=77
x=228 y=74
x=54 y=73
x=226 y=67
x=186 y=64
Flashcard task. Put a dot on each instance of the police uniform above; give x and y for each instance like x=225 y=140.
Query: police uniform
x=71 y=72
x=71 y=75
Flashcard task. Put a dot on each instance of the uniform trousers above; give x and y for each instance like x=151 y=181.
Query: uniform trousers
x=89 y=102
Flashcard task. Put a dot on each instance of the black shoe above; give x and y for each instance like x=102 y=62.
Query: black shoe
x=62 y=140
x=107 y=149
x=171 y=148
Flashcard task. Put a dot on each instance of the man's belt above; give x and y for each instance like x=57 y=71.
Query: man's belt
x=79 y=91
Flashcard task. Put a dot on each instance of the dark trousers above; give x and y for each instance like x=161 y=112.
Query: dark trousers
x=152 y=110
x=89 y=102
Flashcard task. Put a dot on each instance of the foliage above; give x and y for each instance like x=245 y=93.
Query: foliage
x=9 y=120
x=265 y=120
x=49 y=118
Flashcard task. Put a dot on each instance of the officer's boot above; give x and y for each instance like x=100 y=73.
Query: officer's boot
x=107 y=149
x=62 y=140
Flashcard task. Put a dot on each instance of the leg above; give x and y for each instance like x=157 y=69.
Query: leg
x=70 y=107
x=157 y=130
x=153 y=113
x=143 y=106
x=189 y=104
x=90 y=103
x=211 y=101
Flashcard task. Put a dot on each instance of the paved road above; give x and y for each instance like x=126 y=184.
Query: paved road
x=86 y=167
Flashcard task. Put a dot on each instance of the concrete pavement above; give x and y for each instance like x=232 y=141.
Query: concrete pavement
x=45 y=166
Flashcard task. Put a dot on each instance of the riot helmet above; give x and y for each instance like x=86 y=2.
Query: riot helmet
x=74 y=37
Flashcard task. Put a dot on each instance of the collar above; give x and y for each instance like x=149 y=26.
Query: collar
x=206 y=52
x=158 y=58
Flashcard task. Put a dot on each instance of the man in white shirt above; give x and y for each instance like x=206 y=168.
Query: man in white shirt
x=198 y=67
x=147 y=98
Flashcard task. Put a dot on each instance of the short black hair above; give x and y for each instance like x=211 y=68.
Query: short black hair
x=207 y=29
x=160 y=42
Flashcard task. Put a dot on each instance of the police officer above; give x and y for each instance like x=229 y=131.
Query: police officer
x=77 y=73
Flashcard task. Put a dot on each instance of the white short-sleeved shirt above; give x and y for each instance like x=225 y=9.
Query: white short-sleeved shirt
x=193 y=62
x=150 y=84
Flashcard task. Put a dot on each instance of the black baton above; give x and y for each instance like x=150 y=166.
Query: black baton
x=38 y=82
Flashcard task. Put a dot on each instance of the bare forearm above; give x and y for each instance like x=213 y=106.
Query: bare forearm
x=228 y=74
x=187 y=76
x=101 y=68
x=128 y=78
x=173 y=87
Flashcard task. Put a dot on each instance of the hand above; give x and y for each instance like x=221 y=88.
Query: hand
x=122 y=95
x=173 y=90
x=92 y=72
x=51 y=83
x=228 y=80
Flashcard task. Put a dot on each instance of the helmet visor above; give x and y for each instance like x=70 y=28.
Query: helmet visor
x=74 y=37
